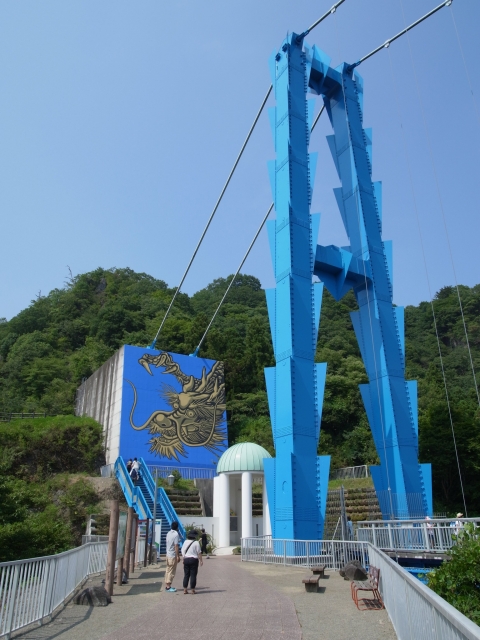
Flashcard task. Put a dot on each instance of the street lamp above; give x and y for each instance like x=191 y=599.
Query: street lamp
x=171 y=480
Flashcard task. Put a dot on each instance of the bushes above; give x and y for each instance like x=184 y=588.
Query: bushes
x=458 y=580
x=40 y=447
x=43 y=509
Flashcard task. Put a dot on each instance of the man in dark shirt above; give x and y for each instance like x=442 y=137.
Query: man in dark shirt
x=204 y=541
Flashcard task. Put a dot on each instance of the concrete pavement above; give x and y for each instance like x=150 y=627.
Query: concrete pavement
x=234 y=601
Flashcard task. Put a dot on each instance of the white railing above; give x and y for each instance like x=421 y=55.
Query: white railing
x=94 y=538
x=303 y=553
x=31 y=590
x=361 y=471
x=416 y=612
x=418 y=535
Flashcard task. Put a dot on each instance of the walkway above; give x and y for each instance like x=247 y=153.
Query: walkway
x=234 y=601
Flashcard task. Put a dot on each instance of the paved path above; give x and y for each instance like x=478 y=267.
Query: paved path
x=329 y=614
x=234 y=601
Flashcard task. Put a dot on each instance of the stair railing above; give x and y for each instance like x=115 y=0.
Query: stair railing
x=170 y=512
x=133 y=495
x=162 y=499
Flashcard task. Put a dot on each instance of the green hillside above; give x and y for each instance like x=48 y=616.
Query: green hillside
x=47 y=349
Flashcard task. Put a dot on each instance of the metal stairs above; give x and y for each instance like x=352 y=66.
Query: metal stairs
x=140 y=497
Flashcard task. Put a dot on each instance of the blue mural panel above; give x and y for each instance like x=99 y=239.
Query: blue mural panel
x=173 y=408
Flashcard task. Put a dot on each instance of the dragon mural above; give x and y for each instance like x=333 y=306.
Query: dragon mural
x=196 y=418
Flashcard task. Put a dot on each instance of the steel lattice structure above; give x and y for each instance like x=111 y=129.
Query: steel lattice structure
x=297 y=479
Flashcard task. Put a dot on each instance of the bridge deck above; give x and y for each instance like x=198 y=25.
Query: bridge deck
x=234 y=601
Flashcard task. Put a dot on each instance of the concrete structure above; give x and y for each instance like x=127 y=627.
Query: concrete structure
x=160 y=406
x=237 y=469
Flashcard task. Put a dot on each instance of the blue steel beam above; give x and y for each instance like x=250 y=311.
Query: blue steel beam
x=402 y=484
x=296 y=478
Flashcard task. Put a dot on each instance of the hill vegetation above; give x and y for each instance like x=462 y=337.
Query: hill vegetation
x=61 y=338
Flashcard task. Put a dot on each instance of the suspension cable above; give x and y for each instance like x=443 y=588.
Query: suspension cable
x=331 y=11
x=417 y=217
x=152 y=346
x=317 y=22
x=195 y=353
x=465 y=64
x=417 y=86
x=388 y=42
x=442 y=209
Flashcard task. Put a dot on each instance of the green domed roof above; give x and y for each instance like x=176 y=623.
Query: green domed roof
x=244 y=456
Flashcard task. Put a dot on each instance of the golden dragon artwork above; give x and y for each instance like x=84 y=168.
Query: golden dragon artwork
x=196 y=416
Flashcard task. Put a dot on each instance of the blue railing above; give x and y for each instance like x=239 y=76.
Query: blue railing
x=170 y=512
x=188 y=473
x=133 y=495
x=162 y=499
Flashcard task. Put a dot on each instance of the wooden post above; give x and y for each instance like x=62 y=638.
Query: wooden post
x=112 y=546
x=145 y=558
x=120 y=571
x=134 y=555
x=128 y=540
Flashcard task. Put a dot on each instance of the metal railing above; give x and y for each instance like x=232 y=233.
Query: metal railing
x=303 y=553
x=133 y=495
x=424 y=535
x=108 y=471
x=162 y=499
x=31 y=590
x=6 y=416
x=188 y=473
x=361 y=471
x=416 y=612
x=94 y=538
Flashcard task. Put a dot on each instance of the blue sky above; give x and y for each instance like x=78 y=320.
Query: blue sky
x=119 y=123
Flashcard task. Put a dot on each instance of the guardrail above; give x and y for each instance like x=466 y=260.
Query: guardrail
x=188 y=473
x=333 y=554
x=31 y=590
x=162 y=499
x=361 y=471
x=419 y=535
x=133 y=495
x=415 y=610
x=6 y=417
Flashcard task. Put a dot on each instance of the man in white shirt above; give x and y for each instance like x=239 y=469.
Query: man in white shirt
x=173 y=556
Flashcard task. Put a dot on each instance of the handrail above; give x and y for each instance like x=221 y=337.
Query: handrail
x=162 y=498
x=32 y=589
x=170 y=512
x=133 y=495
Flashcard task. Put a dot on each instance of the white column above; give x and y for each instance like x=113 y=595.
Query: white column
x=247 y=522
x=267 y=525
x=224 y=510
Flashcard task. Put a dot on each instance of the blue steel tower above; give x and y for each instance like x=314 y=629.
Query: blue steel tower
x=297 y=478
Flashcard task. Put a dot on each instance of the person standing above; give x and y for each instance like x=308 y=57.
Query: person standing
x=173 y=556
x=192 y=556
x=129 y=466
x=350 y=528
x=204 y=540
x=135 y=472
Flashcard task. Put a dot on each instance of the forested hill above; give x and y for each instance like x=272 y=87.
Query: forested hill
x=48 y=348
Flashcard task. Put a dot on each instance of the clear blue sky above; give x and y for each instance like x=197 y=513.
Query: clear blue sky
x=120 y=120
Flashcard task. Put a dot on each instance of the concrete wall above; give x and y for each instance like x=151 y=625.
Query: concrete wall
x=201 y=522
x=205 y=489
x=100 y=397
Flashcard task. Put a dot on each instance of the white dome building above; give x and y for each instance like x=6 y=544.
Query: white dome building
x=237 y=468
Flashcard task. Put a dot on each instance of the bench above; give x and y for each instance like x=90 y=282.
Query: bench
x=372 y=584
x=319 y=570
x=311 y=582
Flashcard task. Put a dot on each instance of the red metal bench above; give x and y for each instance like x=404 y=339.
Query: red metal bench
x=372 y=584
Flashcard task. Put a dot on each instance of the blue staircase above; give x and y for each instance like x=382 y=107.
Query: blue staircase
x=140 y=497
